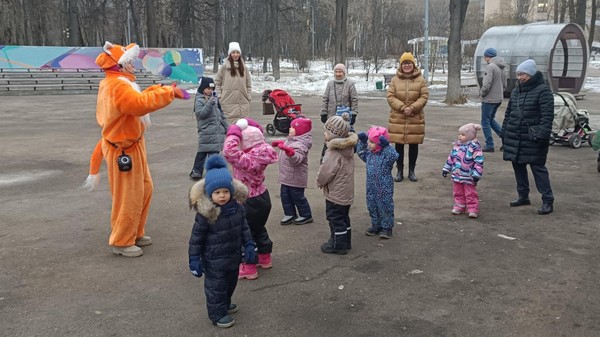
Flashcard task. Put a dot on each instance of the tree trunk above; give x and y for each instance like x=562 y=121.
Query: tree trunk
x=218 y=35
x=73 y=39
x=458 y=10
x=593 y=26
x=241 y=18
x=571 y=10
x=185 y=22
x=580 y=13
x=275 y=38
x=151 y=24
x=137 y=38
x=267 y=37
x=563 y=11
x=341 y=27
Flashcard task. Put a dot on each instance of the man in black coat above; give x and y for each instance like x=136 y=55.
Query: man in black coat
x=526 y=134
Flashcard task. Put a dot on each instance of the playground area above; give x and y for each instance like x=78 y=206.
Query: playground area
x=511 y=272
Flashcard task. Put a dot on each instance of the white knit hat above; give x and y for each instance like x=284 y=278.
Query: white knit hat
x=251 y=136
x=233 y=46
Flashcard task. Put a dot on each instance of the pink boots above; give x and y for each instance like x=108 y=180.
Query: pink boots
x=250 y=272
x=264 y=261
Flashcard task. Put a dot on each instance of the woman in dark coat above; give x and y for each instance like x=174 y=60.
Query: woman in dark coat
x=526 y=134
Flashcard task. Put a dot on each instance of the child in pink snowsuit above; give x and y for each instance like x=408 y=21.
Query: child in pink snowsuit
x=465 y=162
x=245 y=149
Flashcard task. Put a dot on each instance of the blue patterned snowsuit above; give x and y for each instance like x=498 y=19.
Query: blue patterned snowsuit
x=380 y=184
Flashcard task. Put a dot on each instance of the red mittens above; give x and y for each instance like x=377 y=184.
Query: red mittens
x=276 y=143
x=288 y=150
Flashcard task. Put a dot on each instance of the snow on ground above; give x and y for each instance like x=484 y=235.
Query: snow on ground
x=314 y=81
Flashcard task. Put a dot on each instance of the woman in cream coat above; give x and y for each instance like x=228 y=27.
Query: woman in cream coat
x=233 y=85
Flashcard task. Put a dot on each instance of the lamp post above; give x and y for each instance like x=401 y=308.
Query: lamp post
x=312 y=25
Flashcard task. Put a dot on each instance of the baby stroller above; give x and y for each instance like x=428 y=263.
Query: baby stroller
x=285 y=110
x=571 y=125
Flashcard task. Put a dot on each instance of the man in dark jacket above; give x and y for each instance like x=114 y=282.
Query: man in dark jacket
x=526 y=133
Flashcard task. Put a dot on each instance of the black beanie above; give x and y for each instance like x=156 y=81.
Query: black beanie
x=205 y=82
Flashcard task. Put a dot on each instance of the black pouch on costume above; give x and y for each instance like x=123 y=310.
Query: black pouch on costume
x=124 y=162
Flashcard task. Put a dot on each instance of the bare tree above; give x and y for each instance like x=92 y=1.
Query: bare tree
x=151 y=31
x=341 y=16
x=593 y=25
x=580 y=13
x=73 y=31
x=218 y=12
x=458 y=10
x=274 y=5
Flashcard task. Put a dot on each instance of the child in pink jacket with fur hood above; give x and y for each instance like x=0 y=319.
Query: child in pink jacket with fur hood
x=245 y=149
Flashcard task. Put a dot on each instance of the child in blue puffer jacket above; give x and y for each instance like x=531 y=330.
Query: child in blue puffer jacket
x=219 y=233
x=375 y=150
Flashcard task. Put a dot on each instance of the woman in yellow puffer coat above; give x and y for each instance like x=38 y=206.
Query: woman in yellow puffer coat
x=407 y=95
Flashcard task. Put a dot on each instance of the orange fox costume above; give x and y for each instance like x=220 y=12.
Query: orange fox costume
x=121 y=112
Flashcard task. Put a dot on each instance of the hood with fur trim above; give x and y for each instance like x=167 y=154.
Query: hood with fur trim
x=204 y=205
x=340 y=144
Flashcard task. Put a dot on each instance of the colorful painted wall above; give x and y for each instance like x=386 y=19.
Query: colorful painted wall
x=183 y=64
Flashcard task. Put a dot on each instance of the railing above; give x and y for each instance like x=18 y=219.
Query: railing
x=35 y=80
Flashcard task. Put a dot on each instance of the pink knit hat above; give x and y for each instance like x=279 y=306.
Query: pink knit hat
x=341 y=67
x=301 y=125
x=251 y=136
x=374 y=133
x=470 y=130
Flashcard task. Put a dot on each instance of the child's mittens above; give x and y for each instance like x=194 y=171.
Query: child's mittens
x=276 y=143
x=444 y=173
x=234 y=130
x=383 y=142
x=196 y=266
x=288 y=150
x=323 y=118
x=476 y=179
x=250 y=251
x=362 y=137
x=180 y=93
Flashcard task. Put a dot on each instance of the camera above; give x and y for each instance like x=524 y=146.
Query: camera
x=124 y=162
x=214 y=94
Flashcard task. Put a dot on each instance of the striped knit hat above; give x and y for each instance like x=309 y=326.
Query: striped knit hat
x=338 y=126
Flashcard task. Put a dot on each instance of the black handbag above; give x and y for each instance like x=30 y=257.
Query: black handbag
x=532 y=132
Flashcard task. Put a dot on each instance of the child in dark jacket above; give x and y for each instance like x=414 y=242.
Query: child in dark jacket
x=465 y=162
x=336 y=178
x=293 y=172
x=219 y=233
x=374 y=149
x=211 y=124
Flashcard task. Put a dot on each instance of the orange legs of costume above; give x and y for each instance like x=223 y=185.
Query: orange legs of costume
x=131 y=194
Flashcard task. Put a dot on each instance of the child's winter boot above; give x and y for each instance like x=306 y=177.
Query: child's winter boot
x=248 y=271
x=264 y=261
